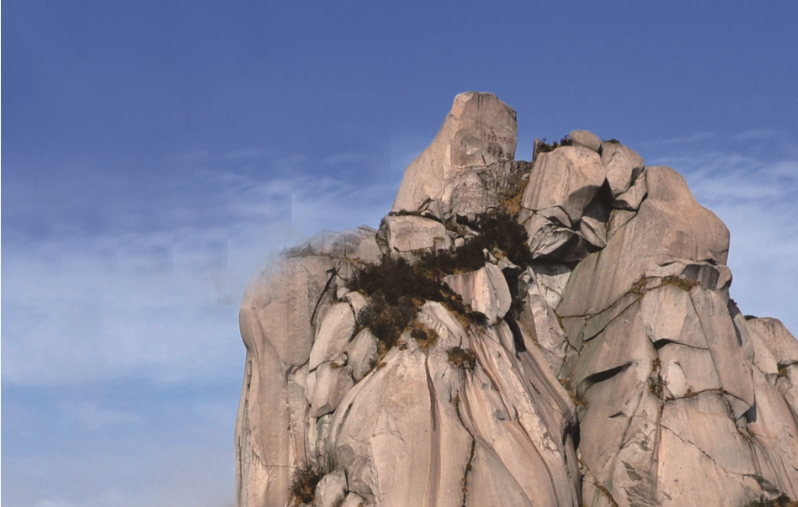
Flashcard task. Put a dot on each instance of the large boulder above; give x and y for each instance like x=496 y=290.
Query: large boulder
x=409 y=233
x=623 y=166
x=485 y=290
x=567 y=178
x=479 y=131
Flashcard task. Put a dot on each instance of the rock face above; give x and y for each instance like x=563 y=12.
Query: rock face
x=467 y=163
x=597 y=361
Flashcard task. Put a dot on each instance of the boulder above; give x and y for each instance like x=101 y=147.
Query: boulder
x=327 y=385
x=333 y=334
x=547 y=240
x=356 y=301
x=480 y=130
x=585 y=138
x=623 y=166
x=331 y=489
x=353 y=500
x=362 y=353
x=631 y=198
x=568 y=177
x=485 y=290
x=409 y=233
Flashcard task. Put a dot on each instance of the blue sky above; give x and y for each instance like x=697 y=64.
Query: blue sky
x=154 y=153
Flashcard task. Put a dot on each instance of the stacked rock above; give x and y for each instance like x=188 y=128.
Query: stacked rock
x=588 y=353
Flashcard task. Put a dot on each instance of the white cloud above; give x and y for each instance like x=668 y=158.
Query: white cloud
x=153 y=293
x=176 y=476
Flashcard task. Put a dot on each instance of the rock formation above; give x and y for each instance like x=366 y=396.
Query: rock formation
x=549 y=333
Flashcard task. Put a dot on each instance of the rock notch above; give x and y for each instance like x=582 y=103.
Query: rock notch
x=549 y=333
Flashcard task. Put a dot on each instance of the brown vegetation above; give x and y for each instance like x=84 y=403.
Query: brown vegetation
x=464 y=359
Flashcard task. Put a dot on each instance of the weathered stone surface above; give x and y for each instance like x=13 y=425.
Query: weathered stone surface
x=631 y=198
x=327 y=385
x=585 y=138
x=477 y=190
x=774 y=428
x=731 y=362
x=362 y=353
x=618 y=218
x=568 y=177
x=333 y=334
x=547 y=240
x=687 y=371
x=331 y=489
x=356 y=301
x=669 y=315
x=276 y=326
x=593 y=231
x=485 y=290
x=778 y=340
x=698 y=434
x=480 y=130
x=622 y=166
x=669 y=226
x=353 y=500
x=408 y=233
x=621 y=344
x=537 y=314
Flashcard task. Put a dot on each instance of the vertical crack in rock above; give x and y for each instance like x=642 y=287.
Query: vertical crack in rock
x=333 y=273
x=467 y=470
x=435 y=439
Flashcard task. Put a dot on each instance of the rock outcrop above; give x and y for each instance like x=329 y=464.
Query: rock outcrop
x=549 y=333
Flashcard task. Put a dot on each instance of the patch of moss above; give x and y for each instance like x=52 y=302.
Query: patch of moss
x=682 y=283
x=424 y=336
x=655 y=385
x=464 y=359
x=639 y=286
x=511 y=201
x=782 y=501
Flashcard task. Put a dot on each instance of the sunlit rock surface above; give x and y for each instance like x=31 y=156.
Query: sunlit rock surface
x=597 y=362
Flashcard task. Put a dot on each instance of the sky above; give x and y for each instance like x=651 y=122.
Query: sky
x=154 y=154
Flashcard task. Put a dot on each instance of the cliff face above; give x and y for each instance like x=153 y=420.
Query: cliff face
x=550 y=333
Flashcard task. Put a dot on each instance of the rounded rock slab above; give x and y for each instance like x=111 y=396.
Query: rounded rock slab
x=568 y=177
x=585 y=138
